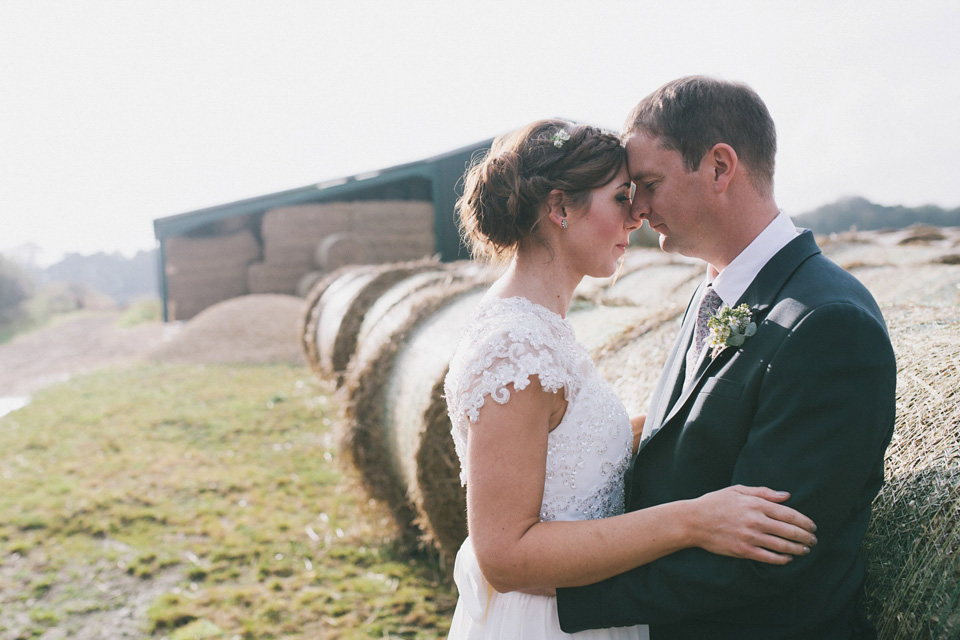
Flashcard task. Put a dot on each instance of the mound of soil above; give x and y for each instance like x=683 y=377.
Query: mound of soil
x=253 y=329
x=249 y=329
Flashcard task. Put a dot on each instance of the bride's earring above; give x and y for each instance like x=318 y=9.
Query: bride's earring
x=563 y=223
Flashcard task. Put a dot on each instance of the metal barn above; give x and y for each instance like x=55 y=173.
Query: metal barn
x=280 y=242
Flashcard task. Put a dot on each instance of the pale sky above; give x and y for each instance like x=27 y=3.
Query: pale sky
x=114 y=113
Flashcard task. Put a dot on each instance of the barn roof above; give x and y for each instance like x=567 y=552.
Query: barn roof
x=443 y=171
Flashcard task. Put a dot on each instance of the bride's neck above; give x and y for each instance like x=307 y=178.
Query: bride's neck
x=539 y=277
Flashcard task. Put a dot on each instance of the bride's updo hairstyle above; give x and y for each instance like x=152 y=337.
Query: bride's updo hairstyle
x=504 y=190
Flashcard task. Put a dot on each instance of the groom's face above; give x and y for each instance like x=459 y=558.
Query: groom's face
x=671 y=199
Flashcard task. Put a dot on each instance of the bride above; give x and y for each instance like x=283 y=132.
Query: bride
x=543 y=441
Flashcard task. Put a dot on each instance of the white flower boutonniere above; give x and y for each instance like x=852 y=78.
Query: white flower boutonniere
x=729 y=328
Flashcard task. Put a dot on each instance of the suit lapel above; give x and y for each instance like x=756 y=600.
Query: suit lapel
x=759 y=296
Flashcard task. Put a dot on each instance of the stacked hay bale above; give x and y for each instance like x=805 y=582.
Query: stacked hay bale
x=290 y=237
x=380 y=232
x=203 y=271
x=300 y=240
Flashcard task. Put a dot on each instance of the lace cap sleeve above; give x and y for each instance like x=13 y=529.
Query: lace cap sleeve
x=508 y=359
x=507 y=348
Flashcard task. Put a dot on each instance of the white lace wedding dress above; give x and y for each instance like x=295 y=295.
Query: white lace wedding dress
x=509 y=341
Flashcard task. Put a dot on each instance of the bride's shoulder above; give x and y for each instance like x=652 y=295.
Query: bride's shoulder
x=503 y=321
x=514 y=338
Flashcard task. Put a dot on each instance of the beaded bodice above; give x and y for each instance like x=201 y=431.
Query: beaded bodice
x=512 y=339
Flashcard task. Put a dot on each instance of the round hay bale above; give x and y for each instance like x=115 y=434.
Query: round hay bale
x=880 y=249
x=307 y=282
x=671 y=283
x=632 y=363
x=417 y=427
x=597 y=326
x=339 y=250
x=391 y=410
x=635 y=261
x=913 y=544
x=930 y=283
x=381 y=320
x=313 y=311
x=342 y=311
x=922 y=233
x=334 y=307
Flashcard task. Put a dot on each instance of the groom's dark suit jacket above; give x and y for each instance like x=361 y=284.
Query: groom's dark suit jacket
x=806 y=405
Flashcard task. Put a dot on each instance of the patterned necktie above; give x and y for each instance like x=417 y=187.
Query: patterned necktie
x=708 y=306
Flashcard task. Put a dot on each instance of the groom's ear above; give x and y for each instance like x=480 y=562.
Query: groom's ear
x=723 y=162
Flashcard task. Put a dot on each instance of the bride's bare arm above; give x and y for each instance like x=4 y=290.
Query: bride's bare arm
x=507 y=449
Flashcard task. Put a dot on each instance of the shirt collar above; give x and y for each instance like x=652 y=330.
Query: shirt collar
x=734 y=280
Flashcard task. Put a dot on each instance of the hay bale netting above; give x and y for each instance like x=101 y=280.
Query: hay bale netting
x=341 y=310
x=912 y=548
x=251 y=329
x=397 y=429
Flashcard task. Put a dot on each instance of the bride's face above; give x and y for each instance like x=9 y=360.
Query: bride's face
x=598 y=235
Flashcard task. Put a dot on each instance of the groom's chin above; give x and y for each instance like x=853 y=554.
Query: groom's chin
x=665 y=245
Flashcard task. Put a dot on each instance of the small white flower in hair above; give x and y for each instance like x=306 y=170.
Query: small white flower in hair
x=559 y=138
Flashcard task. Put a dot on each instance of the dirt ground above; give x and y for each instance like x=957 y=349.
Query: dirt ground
x=250 y=329
x=74 y=346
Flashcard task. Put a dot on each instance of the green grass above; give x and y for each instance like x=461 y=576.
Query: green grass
x=140 y=311
x=211 y=502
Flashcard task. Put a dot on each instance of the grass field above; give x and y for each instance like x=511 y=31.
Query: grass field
x=190 y=502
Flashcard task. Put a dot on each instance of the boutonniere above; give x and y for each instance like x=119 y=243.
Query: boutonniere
x=730 y=327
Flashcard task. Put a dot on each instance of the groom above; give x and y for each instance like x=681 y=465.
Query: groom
x=805 y=404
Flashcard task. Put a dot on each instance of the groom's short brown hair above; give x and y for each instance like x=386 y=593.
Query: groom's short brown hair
x=691 y=114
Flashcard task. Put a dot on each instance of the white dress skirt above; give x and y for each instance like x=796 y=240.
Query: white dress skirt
x=485 y=614
x=509 y=341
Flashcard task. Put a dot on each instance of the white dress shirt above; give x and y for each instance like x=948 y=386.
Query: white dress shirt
x=734 y=280
x=739 y=274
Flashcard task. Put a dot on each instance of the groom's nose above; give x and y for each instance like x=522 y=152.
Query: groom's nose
x=640 y=207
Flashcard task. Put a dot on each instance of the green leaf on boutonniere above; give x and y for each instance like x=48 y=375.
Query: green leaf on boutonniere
x=730 y=327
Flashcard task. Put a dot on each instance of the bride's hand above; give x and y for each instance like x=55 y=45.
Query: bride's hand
x=747 y=522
